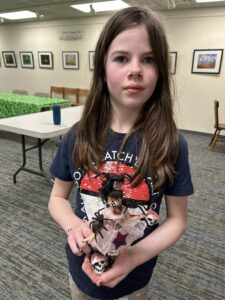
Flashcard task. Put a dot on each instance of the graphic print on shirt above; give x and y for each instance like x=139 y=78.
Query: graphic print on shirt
x=89 y=185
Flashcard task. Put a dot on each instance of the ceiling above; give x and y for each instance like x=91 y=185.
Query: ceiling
x=60 y=9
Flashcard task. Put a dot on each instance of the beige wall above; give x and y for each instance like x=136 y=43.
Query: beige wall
x=195 y=93
x=187 y=30
x=45 y=36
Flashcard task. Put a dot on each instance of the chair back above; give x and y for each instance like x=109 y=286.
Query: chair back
x=72 y=95
x=216 y=113
x=82 y=96
x=42 y=94
x=20 y=92
x=57 y=92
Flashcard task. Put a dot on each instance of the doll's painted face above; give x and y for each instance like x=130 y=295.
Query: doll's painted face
x=115 y=203
x=131 y=71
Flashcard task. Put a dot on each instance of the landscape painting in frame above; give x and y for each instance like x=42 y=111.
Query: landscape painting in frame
x=70 y=60
x=172 y=62
x=207 y=61
x=45 y=60
x=26 y=59
x=9 y=59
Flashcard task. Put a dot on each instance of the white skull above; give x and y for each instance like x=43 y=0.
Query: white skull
x=98 y=263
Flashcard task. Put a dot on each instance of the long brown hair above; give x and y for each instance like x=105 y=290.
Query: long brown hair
x=160 y=143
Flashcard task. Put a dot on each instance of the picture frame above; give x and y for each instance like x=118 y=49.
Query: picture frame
x=9 y=59
x=26 y=59
x=207 y=61
x=173 y=62
x=91 y=60
x=45 y=59
x=70 y=59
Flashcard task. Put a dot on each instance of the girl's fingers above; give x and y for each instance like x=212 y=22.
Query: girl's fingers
x=74 y=246
x=110 y=277
x=76 y=239
x=84 y=247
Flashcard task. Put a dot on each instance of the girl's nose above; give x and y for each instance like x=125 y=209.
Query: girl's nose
x=135 y=74
x=135 y=70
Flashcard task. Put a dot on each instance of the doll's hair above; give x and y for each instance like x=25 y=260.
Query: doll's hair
x=160 y=141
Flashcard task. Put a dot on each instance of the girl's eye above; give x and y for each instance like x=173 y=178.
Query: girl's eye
x=121 y=59
x=149 y=60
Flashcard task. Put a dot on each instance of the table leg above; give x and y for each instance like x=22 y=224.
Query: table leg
x=39 y=145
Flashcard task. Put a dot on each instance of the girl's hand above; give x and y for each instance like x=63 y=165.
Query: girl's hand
x=122 y=266
x=76 y=235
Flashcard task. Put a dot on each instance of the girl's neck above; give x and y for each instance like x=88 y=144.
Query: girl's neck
x=122 y=120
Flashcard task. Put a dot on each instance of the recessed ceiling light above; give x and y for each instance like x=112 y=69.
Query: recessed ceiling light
x=101 y=6
x=202 y=1
x=16 y=15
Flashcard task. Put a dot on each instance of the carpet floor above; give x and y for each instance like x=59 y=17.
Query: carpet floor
x=33 y=264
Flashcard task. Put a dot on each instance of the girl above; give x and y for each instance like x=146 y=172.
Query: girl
x=127 y=127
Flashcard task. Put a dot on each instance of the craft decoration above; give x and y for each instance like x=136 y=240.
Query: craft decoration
x=113 y=228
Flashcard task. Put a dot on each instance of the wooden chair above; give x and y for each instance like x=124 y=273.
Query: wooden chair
x=82 y=96
x=57 y=92
x=218 y=127
x=72 y=95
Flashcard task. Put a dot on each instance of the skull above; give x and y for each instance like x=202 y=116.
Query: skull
x=98 y=263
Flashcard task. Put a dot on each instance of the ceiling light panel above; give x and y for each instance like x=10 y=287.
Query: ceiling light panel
x=16 y=15
x=101 y=6
x=205 y=1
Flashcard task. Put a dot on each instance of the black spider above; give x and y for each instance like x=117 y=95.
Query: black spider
x=98 y=223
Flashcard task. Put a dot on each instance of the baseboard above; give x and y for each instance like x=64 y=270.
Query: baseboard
x=222 y=137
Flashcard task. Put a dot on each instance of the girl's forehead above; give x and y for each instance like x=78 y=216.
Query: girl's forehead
x=133 y=31
x=137 y=35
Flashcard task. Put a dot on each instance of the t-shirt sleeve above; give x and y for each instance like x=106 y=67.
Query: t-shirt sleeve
x=62 y=165
x=182 y=183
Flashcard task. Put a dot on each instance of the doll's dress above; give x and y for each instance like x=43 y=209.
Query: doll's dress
x=121 y=231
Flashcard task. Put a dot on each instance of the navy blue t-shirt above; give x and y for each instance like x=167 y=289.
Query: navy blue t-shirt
x=88 y=201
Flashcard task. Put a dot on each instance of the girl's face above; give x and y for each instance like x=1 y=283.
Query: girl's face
x=131 y=71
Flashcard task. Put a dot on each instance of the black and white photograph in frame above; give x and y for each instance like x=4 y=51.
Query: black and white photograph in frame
x=173 y=62
x=9 y=59
x=207 y=61
x=70 y=59
x=45 y=59
x=26 y=59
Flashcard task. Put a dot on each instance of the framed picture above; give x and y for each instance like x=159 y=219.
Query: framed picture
x=70 y=60
x=207 y=61
x=9 y=59
x=172 y=62
x=26 y=59
x=91 y=60
x=45 y=60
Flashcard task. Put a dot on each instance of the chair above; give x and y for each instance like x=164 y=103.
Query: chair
x=42 y=94
x=218 y=126
x=57 y=92
x=82 y=96
x=72 y=95
x=20 y=92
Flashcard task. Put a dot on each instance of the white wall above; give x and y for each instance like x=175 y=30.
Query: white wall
x=45 y=36
x=187 y=30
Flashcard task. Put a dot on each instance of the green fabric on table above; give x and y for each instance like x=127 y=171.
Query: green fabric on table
x=15 y=104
